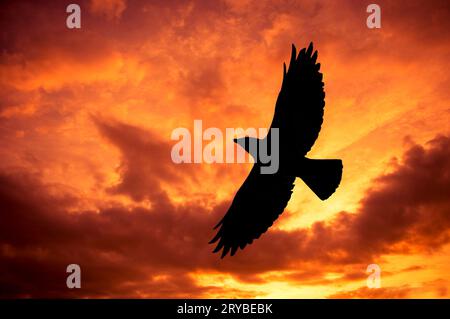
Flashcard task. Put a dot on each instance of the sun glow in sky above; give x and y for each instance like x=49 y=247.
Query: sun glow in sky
x=86 y=175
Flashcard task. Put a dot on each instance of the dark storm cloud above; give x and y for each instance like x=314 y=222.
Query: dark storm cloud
x=145 y=160
x=39 y=238
x=118 y=245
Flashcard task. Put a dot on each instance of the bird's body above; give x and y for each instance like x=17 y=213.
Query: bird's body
x=298 y=118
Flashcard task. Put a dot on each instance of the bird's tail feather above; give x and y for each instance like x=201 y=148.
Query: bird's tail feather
x=321 y=175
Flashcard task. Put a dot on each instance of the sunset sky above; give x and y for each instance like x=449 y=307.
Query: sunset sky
x=86 y=176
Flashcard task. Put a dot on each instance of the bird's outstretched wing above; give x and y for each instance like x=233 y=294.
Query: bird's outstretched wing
x=257 y=204
x=299 y=107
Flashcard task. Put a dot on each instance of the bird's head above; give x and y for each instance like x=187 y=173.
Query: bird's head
x=250 y=144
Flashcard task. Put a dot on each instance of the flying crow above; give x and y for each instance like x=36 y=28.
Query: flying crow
x=298 y=117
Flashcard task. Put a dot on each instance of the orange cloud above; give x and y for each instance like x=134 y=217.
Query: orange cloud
x=112 y=9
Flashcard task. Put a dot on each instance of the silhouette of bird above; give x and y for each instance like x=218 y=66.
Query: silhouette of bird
x=298 y=117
